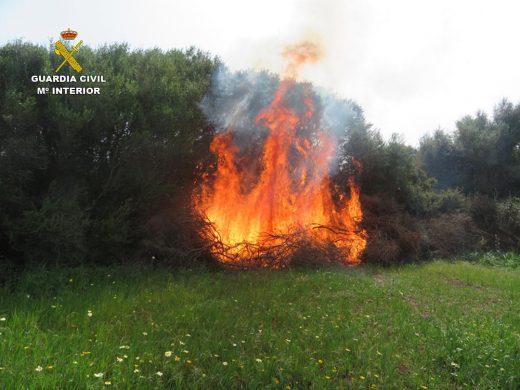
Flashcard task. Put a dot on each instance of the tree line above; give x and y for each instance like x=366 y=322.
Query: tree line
x=108 y=178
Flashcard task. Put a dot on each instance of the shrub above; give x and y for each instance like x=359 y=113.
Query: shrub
x=393 y=235
x=58 y=227
x=495 y=259
x=433 y=203
x=483 y=210
x=172 y=236
x=452 y=234
x=500 y=220
x=508 y=220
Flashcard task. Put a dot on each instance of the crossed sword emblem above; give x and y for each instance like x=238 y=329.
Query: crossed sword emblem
x=68 y=56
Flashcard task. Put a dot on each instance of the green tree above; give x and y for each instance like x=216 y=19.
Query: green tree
x=81 y=174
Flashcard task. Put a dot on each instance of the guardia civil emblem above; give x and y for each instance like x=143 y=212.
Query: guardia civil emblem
x=63 y=51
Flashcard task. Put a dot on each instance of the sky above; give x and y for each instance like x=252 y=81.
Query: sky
x=413 y=65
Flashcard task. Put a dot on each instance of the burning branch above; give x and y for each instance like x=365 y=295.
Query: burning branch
x=265 y=208
x=278 y=250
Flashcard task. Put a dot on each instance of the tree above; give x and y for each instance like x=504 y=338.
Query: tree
x=437 y=155
x=481 y=156
x=81 y=174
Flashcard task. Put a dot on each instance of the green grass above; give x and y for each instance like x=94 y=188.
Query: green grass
x=439 y=326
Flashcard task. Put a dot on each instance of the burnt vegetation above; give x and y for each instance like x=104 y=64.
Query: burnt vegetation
x=109 y=178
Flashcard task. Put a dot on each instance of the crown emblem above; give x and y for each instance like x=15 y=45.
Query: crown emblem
x=69 y=34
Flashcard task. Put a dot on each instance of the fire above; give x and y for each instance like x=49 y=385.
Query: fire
x=299 y=54
x=284 y=196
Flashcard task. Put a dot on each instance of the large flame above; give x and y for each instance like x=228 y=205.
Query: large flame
x=288 y=193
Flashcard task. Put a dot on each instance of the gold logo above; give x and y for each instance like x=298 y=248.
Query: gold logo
x=61 y=50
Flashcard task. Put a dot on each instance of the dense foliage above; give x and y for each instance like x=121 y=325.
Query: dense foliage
x=481 y=156
x=81 y=175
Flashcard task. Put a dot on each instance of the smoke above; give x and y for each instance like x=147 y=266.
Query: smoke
x=338 y=116
x=235 y=99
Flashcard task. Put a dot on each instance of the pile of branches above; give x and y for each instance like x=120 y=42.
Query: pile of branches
x=184 y=237
x=279 y=250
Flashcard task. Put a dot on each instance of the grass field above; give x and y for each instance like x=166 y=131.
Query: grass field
x=438 y=326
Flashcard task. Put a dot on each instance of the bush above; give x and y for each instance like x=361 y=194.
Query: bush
x=433 y=203
x=483 y=210
x=382 y=249
x=500 y=220
x=495 y=259
x=172 y=236
x=449 y=235
x=393 y=235
x=508 y=220
x=58 y=227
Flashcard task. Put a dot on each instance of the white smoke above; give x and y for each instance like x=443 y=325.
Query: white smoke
x=236 y=98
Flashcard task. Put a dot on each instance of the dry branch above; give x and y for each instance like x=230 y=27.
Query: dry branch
x=278 y=250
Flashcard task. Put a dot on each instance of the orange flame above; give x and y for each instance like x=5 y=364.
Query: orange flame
x=299 y=54
x=290 y=192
